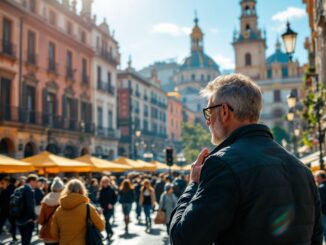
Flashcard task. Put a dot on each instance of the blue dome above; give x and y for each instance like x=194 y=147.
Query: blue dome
x=199 y=59
x=277 y=57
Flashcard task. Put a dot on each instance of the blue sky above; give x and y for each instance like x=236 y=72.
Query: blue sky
x=157 y=30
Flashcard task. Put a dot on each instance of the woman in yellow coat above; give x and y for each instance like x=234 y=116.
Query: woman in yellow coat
x=69 y=221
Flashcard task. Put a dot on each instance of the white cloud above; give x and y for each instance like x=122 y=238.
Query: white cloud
x=224 y=62
x=171 y=29
x=289 y=14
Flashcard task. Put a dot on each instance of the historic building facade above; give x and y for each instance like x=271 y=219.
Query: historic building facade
x=141 y=114
x=104 y=86
x=45 y=104
x=276 y=75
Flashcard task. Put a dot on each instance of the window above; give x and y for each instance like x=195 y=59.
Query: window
x=109 y=79
x=51 y=56
x=32 y=6
x=100 y=117
x=247 y=10
x=83 y=112
x=99 y=77
x=6 y=33
x=248 y=27
x=193 y=76
x=83 y=37
x=277 y=96
x=84 y=71
x=69 y=59
x=110 y=120
x=202 y=77
x=98 y=43
x=52 y=17
x=69 y=27
x=248 y=59
x=31 y=47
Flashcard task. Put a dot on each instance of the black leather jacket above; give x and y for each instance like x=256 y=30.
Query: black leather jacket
x=251 y=191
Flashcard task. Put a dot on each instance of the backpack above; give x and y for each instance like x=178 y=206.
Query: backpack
x=16 y=203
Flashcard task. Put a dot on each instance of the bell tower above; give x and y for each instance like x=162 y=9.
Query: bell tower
x=250 y=43
x=197 y=37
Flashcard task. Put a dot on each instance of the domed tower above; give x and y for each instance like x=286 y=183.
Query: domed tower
x=197 y=38
x=249 y=45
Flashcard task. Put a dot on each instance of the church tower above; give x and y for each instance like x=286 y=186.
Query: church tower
x=197 y=37
x=249 y=44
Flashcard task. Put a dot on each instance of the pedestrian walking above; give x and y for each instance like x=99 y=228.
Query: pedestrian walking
x=137 y=188
x=320 y=178
x=168 y=202
x=107 y=200
x=22 y=208
x=49 y=205
x=9 y=188
x=147 y=200
x=249 y=189
x=69 y=221
x=126 y=198
x=93 y=190
x=159 y=186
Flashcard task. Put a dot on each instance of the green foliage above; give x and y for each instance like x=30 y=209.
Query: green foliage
x=280 y=134
x=195 y=138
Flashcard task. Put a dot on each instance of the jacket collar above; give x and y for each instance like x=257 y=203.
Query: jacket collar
x=252 y=130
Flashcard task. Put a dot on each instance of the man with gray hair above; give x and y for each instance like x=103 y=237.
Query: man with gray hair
x=248 y=190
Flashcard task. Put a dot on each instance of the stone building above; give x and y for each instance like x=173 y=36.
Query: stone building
x=45 y=87
x=276 y=75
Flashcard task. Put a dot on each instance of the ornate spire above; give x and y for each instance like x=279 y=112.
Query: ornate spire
x=129 y=62
x=196 y=36
x=278 y=44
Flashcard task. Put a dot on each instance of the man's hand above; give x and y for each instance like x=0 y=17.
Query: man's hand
x=197 y=166
x=110 y=206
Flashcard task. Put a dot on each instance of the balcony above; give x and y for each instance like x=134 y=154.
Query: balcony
x=69 y=73
x=52 y=66
x=8 y=49
x=111 y=90
x=106 y=55
x=31 y=58
x=41 y=119
x=85 y=79
x=107 y=133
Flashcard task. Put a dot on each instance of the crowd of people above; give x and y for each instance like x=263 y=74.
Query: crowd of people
x=55 y=208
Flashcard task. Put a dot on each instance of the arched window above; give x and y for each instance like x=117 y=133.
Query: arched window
x=248 y=59
x=247 y=10
x=248 y=27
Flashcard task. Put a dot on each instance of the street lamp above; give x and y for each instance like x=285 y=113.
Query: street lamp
x=289 y=39
x=292 y=100
x=290 y=115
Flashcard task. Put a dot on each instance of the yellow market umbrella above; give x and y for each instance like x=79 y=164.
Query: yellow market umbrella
x=11 y=165
x=101 y=165
x=162 y=166
x=54 y=164
x=138 y=166
x=148 y=166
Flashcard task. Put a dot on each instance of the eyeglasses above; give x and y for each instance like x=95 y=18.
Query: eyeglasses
x=208 y=111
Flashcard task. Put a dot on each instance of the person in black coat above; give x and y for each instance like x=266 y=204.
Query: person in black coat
x=107 y=200
x=9 y=184
x=320 y=178
x=249 y=189
x=26 y=222
x=159 y=187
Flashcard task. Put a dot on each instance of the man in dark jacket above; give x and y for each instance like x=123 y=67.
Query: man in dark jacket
x=320 y=178
x=249 y=190
x=26 y=222
x=159 y=187
x=9 y=188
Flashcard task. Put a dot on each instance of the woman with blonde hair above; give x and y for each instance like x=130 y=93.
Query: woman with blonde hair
x=107 y=199
x=126 y=198
x=147 y=200
x=69 y=221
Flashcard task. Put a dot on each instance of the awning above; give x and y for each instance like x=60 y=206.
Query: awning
x=315 y=165
x=148 y=166
x=101 y=165
x=310 y=158
x=135 y=165
x=53 y=164
x=162 y=166
x=11 y=165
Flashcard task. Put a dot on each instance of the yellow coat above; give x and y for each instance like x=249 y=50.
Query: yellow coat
x=69 y=221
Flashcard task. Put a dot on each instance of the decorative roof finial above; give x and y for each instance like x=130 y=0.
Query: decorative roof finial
x=196 y=18
x=129 y=62
x=278 y=44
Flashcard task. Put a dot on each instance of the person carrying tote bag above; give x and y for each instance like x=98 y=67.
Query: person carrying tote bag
x=93 y=235
x=168 y=202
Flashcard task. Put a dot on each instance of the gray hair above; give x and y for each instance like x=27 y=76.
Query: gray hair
x=239 y=92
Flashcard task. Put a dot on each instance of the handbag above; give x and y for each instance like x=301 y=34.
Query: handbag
x=160 y=215
x=93 y=235
x=46 y=223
